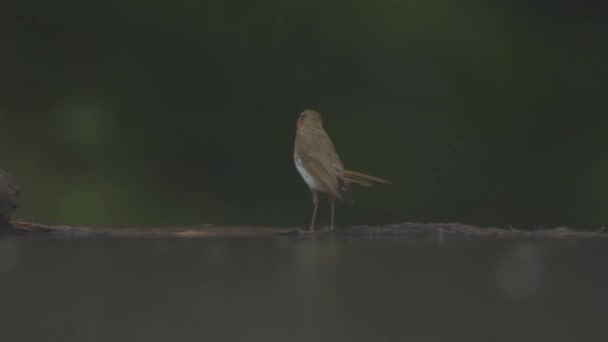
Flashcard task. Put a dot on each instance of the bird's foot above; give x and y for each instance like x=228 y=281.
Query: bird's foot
x=310 y=230
x=313 y=230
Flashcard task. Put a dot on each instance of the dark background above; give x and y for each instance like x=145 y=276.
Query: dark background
x=183 y=112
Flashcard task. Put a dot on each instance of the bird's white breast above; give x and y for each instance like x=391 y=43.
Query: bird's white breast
x=312 y=182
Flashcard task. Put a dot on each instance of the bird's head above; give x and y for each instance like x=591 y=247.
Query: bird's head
x=310 y=118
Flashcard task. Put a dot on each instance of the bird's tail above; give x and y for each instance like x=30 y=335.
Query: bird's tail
x=363 y=179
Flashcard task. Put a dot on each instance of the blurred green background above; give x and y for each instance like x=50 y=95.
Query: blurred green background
x=183 y=112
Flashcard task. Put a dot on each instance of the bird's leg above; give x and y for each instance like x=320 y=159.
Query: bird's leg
x=315 y=202
x=332 y=202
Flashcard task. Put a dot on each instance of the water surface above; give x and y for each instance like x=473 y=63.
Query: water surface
x=302 y=289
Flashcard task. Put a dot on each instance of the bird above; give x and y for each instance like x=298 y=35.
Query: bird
x=320 y=166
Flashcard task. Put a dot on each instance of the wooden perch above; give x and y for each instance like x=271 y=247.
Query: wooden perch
x=408 y=229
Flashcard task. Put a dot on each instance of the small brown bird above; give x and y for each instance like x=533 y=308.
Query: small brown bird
x=321 y=167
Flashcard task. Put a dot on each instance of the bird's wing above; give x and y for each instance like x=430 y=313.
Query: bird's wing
x=320 y=159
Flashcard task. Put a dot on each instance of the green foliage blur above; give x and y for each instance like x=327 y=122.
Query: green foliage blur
x=183 y=112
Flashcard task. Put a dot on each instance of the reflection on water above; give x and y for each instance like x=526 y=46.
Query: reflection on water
x=9 y=253
x=519 y=271
x=302 y=289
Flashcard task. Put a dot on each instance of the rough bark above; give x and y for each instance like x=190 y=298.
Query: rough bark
x=10 y=198
x=408 y=229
